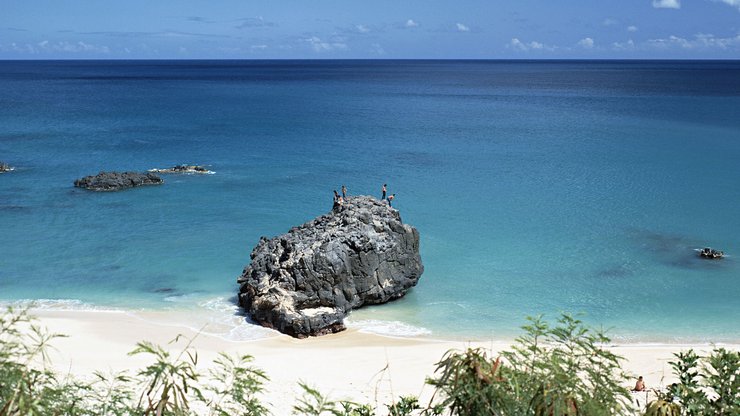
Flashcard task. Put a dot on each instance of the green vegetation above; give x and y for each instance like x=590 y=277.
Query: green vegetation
x=550 y=371
x=170 y=385
x=559 y=370
x=707 y=385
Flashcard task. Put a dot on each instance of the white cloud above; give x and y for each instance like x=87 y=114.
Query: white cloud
x=377 y=49
x=700 y=41
x=734 y=3
x=623 y=46
x=669 y=42
x=462 y=28
x=609 y=22
x=230 y=50
x=667 y=4
x=518 y=45
x=255 y=48
x=712 y=41
x=62 y=46
x=319 y=45
x=632 y=29
x=586 y=43
x=81 y=47
x=362 y=28
x=14 y=47
x=411 y=23
x=251 y=22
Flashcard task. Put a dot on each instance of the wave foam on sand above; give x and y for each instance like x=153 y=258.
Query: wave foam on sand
x=221 y=317
x=63 y=305
x=387 y=328
x=225 y=319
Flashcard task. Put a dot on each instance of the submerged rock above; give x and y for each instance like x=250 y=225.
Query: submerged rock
x=4 y=167
x=306 y=281
x=115 y=181
x=183 y=169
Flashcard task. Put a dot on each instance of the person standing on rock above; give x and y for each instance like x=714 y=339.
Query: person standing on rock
x=344 y=192
x=390 y=200
x=383 y=197
x=338 y=201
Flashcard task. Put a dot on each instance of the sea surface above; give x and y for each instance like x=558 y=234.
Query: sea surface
x=538 y=187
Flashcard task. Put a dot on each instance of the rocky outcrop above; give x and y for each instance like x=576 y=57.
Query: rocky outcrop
x=188 y=169
x=4 y=167
x=710 y=253
x=306 y=281
x=115 y=181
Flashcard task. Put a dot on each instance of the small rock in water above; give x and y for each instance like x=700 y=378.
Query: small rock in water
x=115 y=181
x=4 y=167
x=306 y=281
x=183 y=169
x=710 y=253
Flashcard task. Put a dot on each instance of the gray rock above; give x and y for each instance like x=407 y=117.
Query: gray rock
x=4 y=167
x=188 y=169
x=306 y=281
x=115 y=181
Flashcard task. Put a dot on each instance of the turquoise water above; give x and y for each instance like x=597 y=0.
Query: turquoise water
x=537 y=187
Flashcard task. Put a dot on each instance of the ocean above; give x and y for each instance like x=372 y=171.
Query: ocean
x=538 y=187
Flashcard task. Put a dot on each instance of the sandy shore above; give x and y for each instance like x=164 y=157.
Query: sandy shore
x=350 y=365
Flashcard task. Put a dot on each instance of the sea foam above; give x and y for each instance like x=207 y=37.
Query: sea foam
x=63 y=305
x=219 y=316
x=387 y=328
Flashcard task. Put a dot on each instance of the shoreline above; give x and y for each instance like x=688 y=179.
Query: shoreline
x=367 y=368
x=224 y=319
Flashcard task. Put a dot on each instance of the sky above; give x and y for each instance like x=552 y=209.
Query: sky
x=354 y=29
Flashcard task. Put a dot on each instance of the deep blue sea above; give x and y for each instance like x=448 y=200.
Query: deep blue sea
x=537 y=187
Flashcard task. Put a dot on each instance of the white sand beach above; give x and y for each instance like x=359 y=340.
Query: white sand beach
x=350 y=365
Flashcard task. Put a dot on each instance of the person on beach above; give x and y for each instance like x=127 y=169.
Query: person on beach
x=640 y=385
x=344 y=192
x=390 y=200
x=383 y=197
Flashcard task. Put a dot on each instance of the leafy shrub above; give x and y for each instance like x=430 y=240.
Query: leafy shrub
x=561 y=370
x=314 y=403
x=171 y=385
x=169 y=382
x=663 y=408
x=235 y=385
x=27 y=386
x=707 y=385
x=404 y=407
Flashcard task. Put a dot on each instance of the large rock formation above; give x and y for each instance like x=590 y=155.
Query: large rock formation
x=115 y=181
x=306 y=281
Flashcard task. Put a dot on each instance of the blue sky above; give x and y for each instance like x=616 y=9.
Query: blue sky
x=488 y=29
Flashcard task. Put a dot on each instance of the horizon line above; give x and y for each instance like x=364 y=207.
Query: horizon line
x=387 y=59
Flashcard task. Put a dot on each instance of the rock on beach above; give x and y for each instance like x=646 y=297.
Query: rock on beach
x=306 y=281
